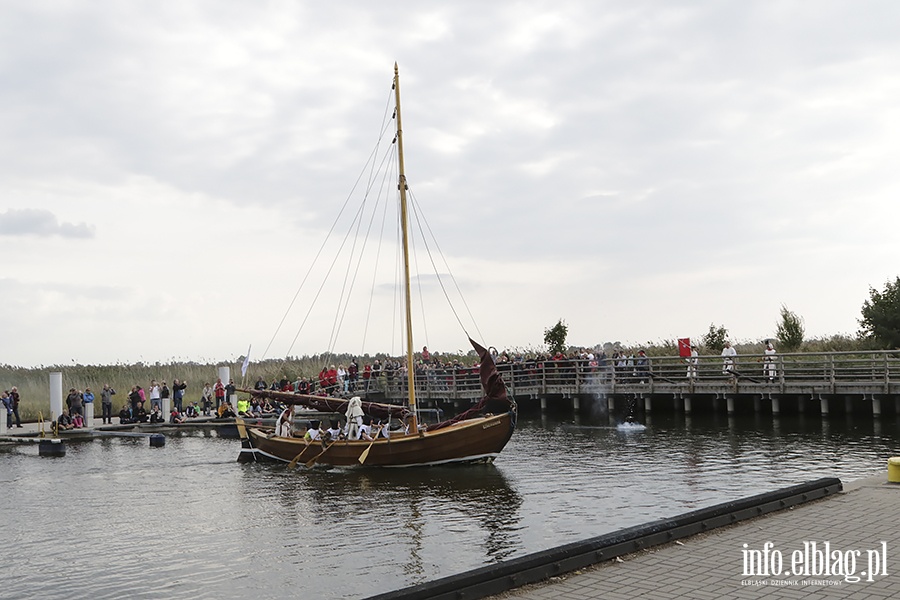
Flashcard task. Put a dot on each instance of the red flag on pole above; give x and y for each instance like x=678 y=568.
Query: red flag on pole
x=684 y=347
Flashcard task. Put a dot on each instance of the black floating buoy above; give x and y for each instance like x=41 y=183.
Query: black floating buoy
x=157 y=440
x=51 y=448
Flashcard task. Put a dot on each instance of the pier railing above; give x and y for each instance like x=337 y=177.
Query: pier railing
x=815 y=373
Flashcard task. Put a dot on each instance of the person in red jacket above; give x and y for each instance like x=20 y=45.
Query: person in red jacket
x=219 y=389
x=332 y=379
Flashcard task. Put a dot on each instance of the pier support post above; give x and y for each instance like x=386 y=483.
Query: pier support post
x=54 y=447
x=687 y=405
x=757 y=404
x=610 y=403
x=543 y=404
x=876 y=406
x=56 y=395
x=89 y=415
x=166 y=408
x=776 y=405
x=729 y=405
x=848 y=405
x=823 y=406
x=576 y=405
x=648 y=404
x=716 y=403
x=2 y=421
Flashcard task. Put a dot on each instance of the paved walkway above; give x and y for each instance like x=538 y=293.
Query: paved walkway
x=712 y=565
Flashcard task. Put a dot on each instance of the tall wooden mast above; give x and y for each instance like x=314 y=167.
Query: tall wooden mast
x=411 y=367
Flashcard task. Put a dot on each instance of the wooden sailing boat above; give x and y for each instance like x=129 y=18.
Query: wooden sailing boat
x=477 y=435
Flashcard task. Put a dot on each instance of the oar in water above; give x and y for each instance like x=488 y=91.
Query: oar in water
x=312 y=461
x=296 y=459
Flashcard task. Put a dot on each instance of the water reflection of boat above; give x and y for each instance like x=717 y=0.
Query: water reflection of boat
x=477 y=435
x=457 y=505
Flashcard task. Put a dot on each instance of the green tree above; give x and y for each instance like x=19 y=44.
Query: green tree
x=555 y=337
x=881 y=315
x=790 y=330
x=715 y=338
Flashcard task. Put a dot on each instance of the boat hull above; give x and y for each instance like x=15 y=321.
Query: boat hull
x=473 y=440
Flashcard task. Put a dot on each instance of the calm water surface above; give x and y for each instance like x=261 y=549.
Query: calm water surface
x=115 y=518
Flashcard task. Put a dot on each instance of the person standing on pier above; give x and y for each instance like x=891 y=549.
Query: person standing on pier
x=135 y=399
x=769 y=369
x=106 y=395
x=231 y=392
x=206 y=397
x=88 y=398
x=692 y=362
x=74 y=400
x=7 y=406
x=163 y=392
x=642 y=366
x=178 y=388
x=14 y=395
x=155 y=402
x=728 y=356
x=219 y=389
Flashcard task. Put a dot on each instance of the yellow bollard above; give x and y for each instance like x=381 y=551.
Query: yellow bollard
x=894 y=469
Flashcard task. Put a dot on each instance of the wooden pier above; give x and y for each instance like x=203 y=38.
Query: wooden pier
x=821 y=382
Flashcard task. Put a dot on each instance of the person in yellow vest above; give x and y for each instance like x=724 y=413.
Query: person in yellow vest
x=243 y=406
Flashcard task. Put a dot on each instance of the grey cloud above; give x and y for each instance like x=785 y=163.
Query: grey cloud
x=31 y=221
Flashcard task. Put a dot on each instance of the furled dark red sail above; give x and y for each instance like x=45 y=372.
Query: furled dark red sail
x=495 y=399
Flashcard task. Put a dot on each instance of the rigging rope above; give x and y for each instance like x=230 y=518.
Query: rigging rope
x=384 y=128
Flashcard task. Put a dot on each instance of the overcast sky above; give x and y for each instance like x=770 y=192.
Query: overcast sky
x=638 y=169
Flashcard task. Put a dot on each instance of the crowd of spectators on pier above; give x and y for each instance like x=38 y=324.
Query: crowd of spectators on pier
x=432 y=372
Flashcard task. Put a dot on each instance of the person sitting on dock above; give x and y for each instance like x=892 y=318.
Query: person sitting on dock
x=156 y=415
x=141 y=415
x=64 y=421
x=124 y=415
x=192 y=411
x=226 y=411
x=176 y=417
x=243 y=407
x=255 y=408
